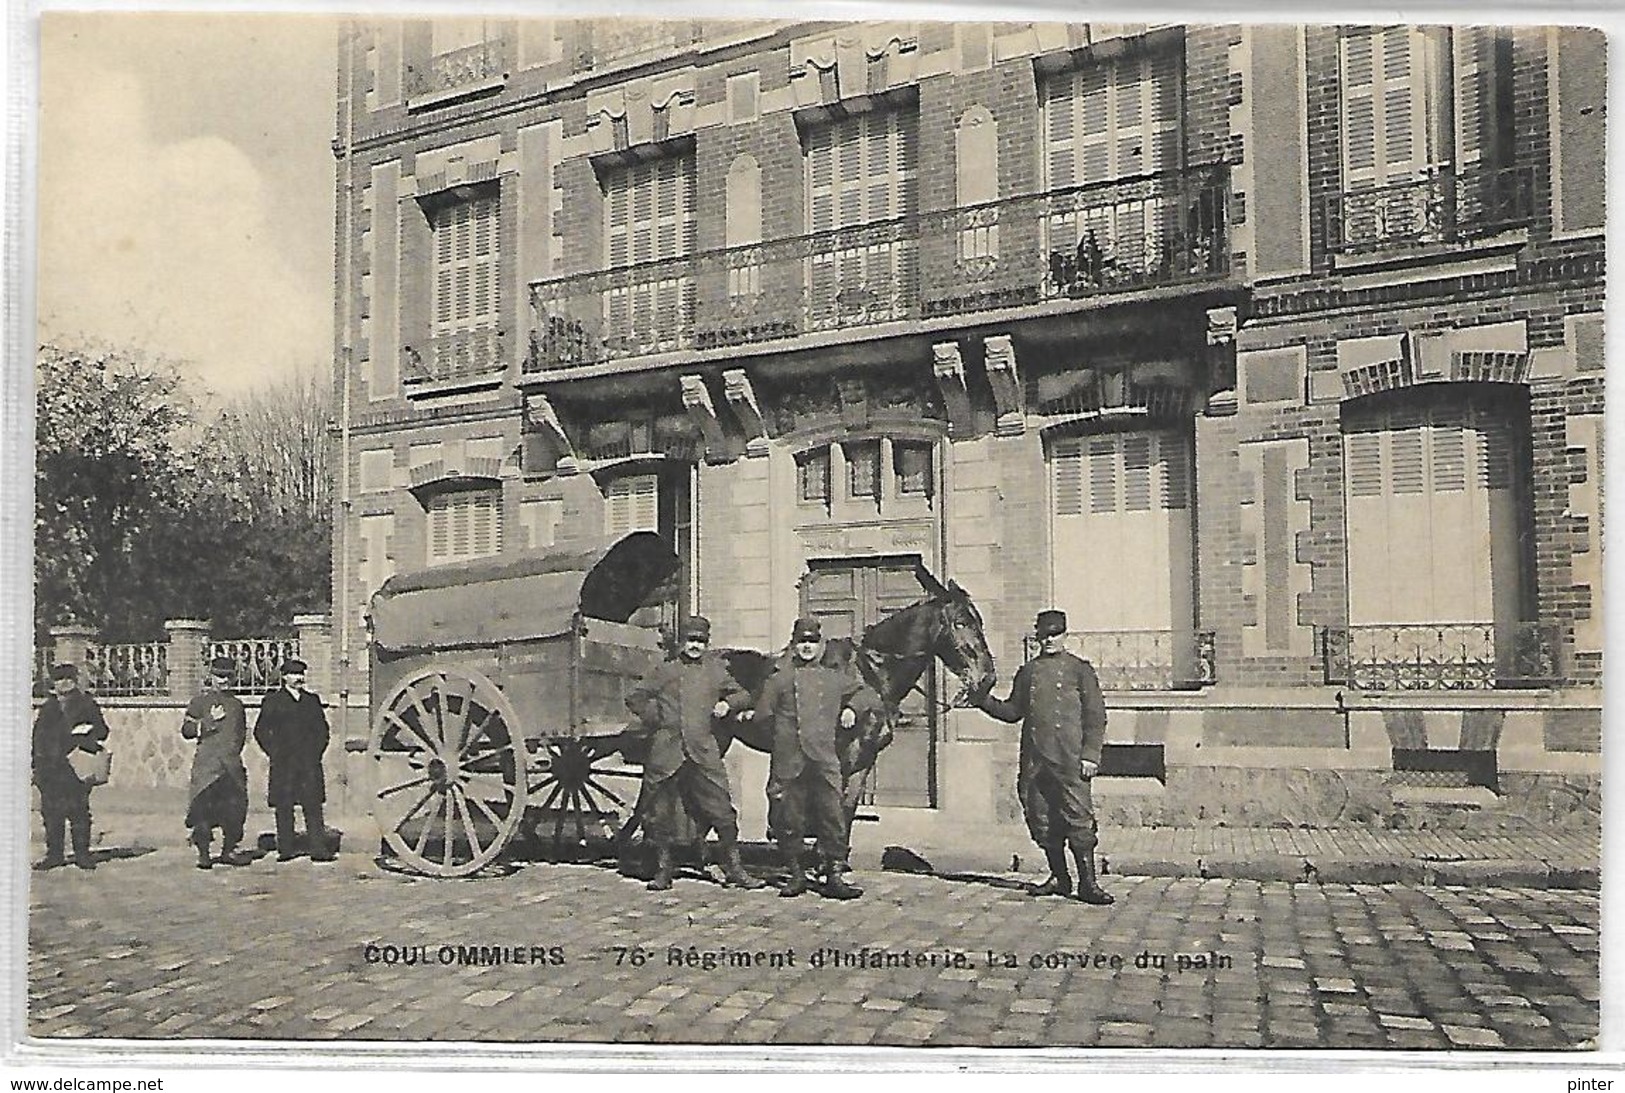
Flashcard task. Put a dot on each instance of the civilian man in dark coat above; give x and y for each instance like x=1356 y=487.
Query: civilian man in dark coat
x=219 y=788
x=1057 y=699
x=68 y=721
x=292 y=731
x=676 y=700
x=805 y=704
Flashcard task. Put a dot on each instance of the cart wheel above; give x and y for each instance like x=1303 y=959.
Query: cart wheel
x=586 y=792
x=448 y=768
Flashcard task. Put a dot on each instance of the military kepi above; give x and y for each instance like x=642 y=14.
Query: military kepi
x=1050 y=622
x=293 y=667
x=697 y=627
x=223 y=666
x=807 y=630
x=64 y=671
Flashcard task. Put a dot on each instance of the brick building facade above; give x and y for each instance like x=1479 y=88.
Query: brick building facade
x=1272 y=354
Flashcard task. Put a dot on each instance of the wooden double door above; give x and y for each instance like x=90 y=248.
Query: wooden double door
x=847 y=596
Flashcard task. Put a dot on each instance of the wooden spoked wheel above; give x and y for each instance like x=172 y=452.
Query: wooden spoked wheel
x=448 y=772
x=583 y=790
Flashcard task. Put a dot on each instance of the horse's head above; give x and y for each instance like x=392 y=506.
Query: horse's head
x=961 y=641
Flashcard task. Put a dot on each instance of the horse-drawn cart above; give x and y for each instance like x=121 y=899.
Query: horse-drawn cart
x=498 y=700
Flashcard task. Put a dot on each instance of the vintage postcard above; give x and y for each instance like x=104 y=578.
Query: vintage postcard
x=891 y=534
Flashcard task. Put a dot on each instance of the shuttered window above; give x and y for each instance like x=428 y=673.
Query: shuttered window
x=464 y=524
x=649 y=217
x=1112 y=120
x=1433 y=524
x=632 y=504
x=465 y=266
x=1121 y=521
x=859 y=170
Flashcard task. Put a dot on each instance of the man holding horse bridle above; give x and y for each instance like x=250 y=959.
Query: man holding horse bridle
x=804 y=705
x=1056 y=697
x=676 y=700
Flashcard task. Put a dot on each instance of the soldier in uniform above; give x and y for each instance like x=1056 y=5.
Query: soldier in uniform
x=676 y=700
x=292 y=731
x=68 y=721
x=1057 y=699
x=219 y=786
x=805 y=704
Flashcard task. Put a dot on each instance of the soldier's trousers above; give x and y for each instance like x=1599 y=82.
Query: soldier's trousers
x=809 y=802
x=1060 y=811
x=700 y=791
x=63 y=809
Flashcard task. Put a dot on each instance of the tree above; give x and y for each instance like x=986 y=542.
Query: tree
x=111 y=450
x=261 y=504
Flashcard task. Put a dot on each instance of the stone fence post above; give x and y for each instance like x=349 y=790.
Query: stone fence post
x=70 y=644
x=315 y=633
x=187 y=640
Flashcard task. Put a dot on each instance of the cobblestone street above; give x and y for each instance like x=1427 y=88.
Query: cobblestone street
x=149 y=947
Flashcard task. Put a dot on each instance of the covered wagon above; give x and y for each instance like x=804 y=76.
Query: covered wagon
x=498 y=699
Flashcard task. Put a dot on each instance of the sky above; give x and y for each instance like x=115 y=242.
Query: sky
x=186 y=189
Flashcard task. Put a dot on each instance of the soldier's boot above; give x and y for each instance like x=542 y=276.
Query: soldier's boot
x=733 y=870
x=200 y=840
x=1089 y=891
x=1059 y=882
x=835 y=885
x=665 y=869
x=797 y=882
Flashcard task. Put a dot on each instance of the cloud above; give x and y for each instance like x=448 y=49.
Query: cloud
x=167 y=246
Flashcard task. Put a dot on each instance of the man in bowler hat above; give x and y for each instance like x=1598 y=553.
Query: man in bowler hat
x=292 y=731
x=805 y=704
x=68 y=721
x=1057 y=699
x=218 y=795
x=676 y=701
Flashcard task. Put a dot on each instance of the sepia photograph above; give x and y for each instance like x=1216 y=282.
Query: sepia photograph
x=910 y=534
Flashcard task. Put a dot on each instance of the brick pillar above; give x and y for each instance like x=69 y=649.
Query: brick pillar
x=315 y=633
x=188 y=639
x=70 y=644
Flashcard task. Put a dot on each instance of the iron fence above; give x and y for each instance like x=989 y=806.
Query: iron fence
x=1443 y=656
x=127 y=670
x=1143 y=660
x=456 y=355
x=258 y=660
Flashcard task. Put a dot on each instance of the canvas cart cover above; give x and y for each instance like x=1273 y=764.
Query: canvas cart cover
x=495 y=600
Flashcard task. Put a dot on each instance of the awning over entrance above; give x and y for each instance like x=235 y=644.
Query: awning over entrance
x=496 y=600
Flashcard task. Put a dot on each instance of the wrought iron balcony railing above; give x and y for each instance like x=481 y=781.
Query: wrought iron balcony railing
x=1443 y=656
x=1155 y=230
x=455 y=70
x=458 y=355
x=1144 y=660
x=1447 y=206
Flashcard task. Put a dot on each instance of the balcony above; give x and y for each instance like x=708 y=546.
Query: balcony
x=455 y=73
x=1447 y=207
x=1143 y=660
x=1088 y=241
x=1443 y=656
x=455 y=357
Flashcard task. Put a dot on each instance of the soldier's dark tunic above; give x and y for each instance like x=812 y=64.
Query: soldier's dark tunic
x=1057 y=699
x=64 y=799
x=218 y=794
x=293 y=734
x=801 y=704
x=684 y=765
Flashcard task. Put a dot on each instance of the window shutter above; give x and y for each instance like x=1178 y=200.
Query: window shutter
x=1364 y=455
x=1176 y=470
x=1359 y=109
x=633 y=505
x=1066 y=460
x=1407 y=467
x=1103 y=460
x=1137 y=465
x=1113 y=119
